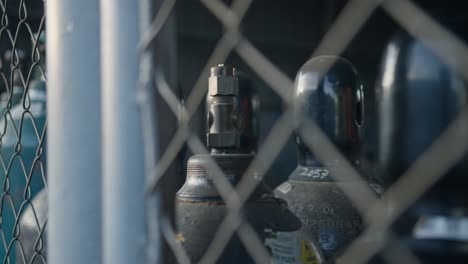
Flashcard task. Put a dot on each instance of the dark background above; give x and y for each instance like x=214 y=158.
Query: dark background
x=287 y=32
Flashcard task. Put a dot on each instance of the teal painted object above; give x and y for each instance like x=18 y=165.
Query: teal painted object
x=26 y=176
x=15 y=99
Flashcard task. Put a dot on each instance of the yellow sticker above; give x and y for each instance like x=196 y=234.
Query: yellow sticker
x=307 y=255
x=289 y=248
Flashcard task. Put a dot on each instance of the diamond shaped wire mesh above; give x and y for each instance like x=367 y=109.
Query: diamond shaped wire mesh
x=23 y=202
x=22 y=128
x=421 y=176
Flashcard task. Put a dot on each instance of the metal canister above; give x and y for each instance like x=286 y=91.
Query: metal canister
x=329 y=92
x=199 y=207
x=420 y=97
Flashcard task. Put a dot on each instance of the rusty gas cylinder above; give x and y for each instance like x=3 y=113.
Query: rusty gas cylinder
x=200 y=210
x=330 y=94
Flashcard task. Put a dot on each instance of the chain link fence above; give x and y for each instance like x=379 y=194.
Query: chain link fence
x=445 y=152
x=23 y=211
x=23 y=207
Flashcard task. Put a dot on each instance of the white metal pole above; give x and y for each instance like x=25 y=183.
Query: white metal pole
x=74 y=131
x=123 y=154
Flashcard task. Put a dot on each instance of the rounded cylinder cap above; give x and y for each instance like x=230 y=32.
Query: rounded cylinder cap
x=329 y=92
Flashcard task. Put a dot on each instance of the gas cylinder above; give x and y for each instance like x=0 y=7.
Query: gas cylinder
x=332 y=96
x=420 y=97
x=199 y=207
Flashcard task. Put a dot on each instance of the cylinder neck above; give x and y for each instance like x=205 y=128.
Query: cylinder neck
x=224 y=121
x=307 y=158
x=223 y=138
x=248 y=104
x=199 y=184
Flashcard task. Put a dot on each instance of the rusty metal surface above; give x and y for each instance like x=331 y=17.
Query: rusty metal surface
x=199 y=185
x=328 y=90
x=198 y=222
x=200 y=211
x=325 y=213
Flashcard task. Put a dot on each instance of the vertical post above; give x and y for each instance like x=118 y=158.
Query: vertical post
x=123 y=159
x=74 y=132
x=164 y=62
x=150 y=136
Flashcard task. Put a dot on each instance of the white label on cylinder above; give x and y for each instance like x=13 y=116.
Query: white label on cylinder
x=289 y=247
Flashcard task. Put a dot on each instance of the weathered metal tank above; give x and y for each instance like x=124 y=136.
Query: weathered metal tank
x=331 y=94
x=420 y=97
x=200 y=208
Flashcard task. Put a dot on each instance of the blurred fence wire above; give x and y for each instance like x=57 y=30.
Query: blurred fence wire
x=23 y=203
x=347 y=24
